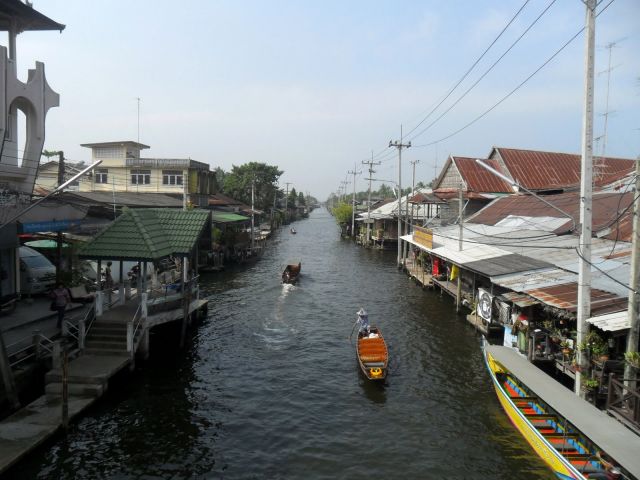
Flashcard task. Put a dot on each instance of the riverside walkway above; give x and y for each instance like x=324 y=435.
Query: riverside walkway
x=105 y=355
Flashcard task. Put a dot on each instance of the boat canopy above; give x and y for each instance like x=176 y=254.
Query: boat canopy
x=608 y=434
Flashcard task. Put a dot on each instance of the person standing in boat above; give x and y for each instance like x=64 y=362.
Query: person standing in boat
x=363 y=322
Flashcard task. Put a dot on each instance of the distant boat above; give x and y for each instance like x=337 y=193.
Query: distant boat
x=291 y=273
x=568 y=433
x=372 y=354
x=293 y=230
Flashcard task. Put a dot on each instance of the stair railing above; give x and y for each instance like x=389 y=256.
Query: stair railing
x=85 y=324
x=33 y=351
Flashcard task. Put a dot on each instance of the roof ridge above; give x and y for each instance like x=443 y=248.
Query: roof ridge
x=139 y=223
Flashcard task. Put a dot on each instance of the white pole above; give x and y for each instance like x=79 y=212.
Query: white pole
x=634 y=283
x=586 y=188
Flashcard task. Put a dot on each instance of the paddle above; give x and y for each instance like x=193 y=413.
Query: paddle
x=354 y=327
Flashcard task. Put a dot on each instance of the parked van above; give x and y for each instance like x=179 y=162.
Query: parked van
x=37 y=273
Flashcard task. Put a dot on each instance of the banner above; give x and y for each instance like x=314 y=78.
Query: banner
x=485 y=301
x=423 y=236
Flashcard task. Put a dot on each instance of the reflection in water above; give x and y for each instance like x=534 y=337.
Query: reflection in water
x=269 y=386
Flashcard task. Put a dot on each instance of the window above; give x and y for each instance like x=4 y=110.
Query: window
x=172 y=177
x=108 y=152
x=102 y=175
x=140 y=177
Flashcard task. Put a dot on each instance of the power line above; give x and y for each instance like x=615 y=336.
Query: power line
x=486 y=72
x=470 y=68
x=515 y=89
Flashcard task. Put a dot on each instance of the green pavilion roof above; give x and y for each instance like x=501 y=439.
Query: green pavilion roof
x=147 y=234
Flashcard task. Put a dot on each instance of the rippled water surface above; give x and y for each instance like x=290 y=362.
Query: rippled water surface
x=269 y=387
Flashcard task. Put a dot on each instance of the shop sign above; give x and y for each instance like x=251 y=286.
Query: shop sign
x=423 y=236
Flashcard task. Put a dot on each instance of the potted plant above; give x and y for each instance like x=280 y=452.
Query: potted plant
x=596 y=346
x=565 y=347
x=633 y=359
x=589 y=384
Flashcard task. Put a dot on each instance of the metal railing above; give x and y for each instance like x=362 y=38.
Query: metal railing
x=132 y=329
x=33 y=351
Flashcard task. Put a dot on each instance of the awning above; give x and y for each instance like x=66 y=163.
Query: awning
x=612 y=322
x=222 y=217
x=519 y=299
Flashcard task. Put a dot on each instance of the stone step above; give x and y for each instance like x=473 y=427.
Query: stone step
x=108 y=328
x=54 y=390
x=108 y=345
x=106 y=352
x=55 y=376
x=107 y=337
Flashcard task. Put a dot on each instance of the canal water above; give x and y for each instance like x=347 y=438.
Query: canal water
x=268 y=386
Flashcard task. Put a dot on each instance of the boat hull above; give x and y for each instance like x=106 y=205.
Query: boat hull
x=560 y=466
x=373 y=357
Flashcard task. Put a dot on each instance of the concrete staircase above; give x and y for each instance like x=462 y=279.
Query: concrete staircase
x=106 y=337
x=104 y=354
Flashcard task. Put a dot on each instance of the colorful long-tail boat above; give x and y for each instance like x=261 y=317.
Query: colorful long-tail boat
x=573 y=437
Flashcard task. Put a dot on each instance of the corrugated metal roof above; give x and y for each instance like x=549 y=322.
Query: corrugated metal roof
x=538 y=170
x=224 y=217
x=612 y=217
x=611 y=322
x=478 y=179
x=510 y=263
x=128 y=199
x=566 y=297
x=519 y=299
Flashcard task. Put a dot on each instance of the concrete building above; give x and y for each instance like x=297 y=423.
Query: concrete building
x=124 y=170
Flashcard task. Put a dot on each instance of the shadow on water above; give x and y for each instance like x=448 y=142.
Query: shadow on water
x=374 y=391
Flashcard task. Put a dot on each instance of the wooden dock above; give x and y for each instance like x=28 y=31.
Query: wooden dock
x=416 y=272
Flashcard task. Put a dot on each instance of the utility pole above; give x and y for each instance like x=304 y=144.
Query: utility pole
x=353 y=201
x=410 y=217
x=59 y=236
x=460 y=231
x=252 y=214
x=634 y=284
x=138 y=99
x=399 y=145
x=586 y=189
x=371 y=172
x=286 y=203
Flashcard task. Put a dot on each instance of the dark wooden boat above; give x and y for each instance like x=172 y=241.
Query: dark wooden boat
x=372 y=354
x=291 y=272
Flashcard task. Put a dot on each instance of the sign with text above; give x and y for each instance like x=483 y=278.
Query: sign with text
x=423 y=236
x=50 y=226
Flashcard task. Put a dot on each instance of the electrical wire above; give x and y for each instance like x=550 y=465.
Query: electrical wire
x=466 y=74
x=486 y=72
x=577 y=249
x=486 y=112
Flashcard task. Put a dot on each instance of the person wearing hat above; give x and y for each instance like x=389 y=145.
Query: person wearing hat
x=363 y=322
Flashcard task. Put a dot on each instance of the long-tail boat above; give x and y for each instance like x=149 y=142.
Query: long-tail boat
x=291 y=272
x=372 y=354
x=573 y=437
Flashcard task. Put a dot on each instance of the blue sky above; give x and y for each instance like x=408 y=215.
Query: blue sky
x=315 y=86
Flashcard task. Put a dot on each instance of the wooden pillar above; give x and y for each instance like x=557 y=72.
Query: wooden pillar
x=185 y=300
x=122 y=294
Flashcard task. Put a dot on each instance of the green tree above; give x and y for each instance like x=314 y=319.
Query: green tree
x=301 y=199
x=293 y=197
x=342 y=213
x=385 y=191
x=237 y=183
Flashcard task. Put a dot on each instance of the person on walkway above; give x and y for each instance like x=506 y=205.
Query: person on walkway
x=108 y=279
x=61 y=299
